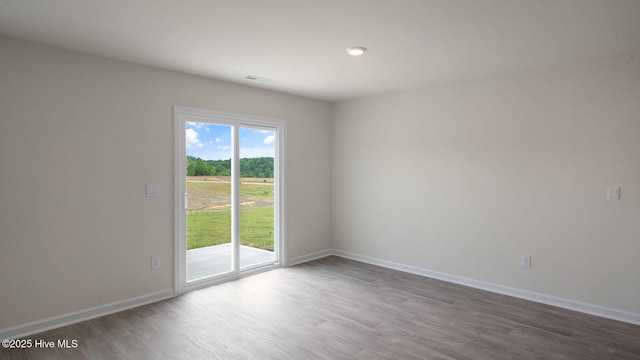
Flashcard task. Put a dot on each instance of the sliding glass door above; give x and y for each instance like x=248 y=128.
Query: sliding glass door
x=228 y=191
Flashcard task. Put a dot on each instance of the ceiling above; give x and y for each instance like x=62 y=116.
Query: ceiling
x=300 y=44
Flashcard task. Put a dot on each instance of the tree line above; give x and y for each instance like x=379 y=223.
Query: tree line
x=251 y=168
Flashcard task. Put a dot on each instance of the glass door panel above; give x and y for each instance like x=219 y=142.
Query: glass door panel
x=257 y=221
x=208 y=200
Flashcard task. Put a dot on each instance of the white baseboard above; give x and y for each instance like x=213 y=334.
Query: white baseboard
x=82 y=315
x=74 y=317
x=310 y=257
x=66 y=319
x=596 y=310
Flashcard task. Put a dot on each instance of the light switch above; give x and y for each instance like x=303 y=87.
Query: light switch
x=613 y=193
x=153 y=190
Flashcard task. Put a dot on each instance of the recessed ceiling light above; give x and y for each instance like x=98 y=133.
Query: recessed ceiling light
x=356 y=50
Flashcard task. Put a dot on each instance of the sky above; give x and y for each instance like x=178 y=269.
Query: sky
x=213 y=142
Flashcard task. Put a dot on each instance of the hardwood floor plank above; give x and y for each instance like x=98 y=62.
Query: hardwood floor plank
x=334 y=308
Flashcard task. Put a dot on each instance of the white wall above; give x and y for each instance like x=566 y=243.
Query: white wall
x=80 y=136
x=465 y=178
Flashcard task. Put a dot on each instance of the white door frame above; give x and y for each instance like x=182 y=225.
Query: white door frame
x=182 y=115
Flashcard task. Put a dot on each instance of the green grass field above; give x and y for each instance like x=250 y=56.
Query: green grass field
x=213 y=227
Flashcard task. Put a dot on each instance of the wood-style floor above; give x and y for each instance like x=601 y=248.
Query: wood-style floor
x=335 y=308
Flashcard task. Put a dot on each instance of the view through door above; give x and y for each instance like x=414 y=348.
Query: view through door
x=257 y=194
x=215 y=207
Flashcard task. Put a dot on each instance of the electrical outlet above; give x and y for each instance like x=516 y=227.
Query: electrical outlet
x=155 y=262
x=525 y=261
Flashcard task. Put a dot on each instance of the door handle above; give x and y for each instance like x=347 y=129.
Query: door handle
x=186 y=201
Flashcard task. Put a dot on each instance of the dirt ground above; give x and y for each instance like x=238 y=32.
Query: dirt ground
x=208 y=198
x=228 y=179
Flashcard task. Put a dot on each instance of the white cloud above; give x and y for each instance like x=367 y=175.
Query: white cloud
x=213 y=155
x=218 y=140
x=269 y=139
x=224 y=147
x=192 y=139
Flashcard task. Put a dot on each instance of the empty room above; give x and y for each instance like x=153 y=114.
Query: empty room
x=358 y=179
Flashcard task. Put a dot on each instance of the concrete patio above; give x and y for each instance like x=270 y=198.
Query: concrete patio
x=212 y=260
